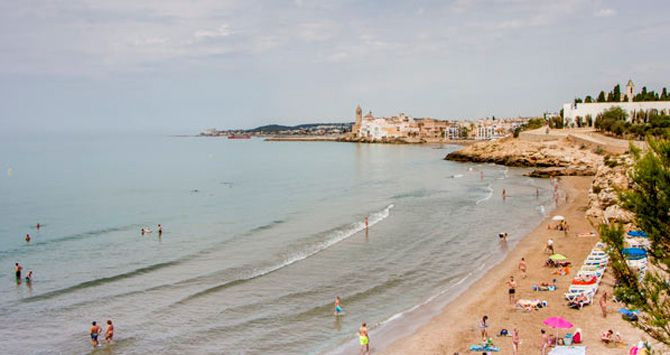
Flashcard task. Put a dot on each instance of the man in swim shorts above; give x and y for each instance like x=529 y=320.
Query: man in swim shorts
x=364 y=339
x=109 y=332
x=512 y=289
x=338 y=306
x=95 y=331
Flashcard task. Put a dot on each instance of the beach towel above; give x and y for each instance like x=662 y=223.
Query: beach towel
x=568 y=350
x=494 y=349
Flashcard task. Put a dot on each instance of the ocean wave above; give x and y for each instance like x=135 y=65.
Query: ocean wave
x=430 y=299
x=489 y=188
x=333 y=237
x=66 y=238
x=102 y=280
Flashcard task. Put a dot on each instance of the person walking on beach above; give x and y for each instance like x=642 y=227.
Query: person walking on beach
x=522 y=267
x=515 y=341
x=338 y=306
x=17 y=269
x=512 y=289
x=364 y=339
x=95 y=332
x=550 y=247
x=109 y=332
x=482 y=326
x=545 y=342
x=603 y=304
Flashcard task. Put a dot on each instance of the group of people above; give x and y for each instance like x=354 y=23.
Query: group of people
x=483 y=327
x=96 y=330
x=18 y=271
x=147 y=230
x=363 y=336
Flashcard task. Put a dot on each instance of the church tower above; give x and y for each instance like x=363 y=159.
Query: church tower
x=359 y=121
x=630 y=88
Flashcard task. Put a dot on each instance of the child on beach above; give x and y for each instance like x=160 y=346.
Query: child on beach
x=483 y=326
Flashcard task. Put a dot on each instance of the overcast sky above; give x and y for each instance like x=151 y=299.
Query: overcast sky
x=182 y=66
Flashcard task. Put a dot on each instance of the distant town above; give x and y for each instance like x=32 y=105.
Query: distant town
x=626 y=107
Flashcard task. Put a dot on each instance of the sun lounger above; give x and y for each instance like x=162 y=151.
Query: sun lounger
x=580 y=303
x=584 y=281
x=573 y=293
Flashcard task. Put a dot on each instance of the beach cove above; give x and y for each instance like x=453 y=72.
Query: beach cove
x=457 y=327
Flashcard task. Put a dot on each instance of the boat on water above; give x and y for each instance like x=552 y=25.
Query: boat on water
x=239 y=136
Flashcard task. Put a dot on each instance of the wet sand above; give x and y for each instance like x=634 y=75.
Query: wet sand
x=457 y=327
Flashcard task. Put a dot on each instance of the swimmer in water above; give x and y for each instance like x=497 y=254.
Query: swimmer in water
x=27 y=238
x=160 y=230
x=29 y=277
x=37 y=226
x=364 y=339
x=338 y=306
x=142 y=231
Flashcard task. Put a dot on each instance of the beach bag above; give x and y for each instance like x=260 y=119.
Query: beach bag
x=630 y=317
x=503 y=332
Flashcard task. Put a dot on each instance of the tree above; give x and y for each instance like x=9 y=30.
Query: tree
x=578 y=100
x=664 y=95
x=648 y=198
x=616 y=93
x=601 y=97
x=588 y=99
x=589 y=120
x=610 y=97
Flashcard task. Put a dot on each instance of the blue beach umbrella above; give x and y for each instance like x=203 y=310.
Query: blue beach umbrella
x=637 y=234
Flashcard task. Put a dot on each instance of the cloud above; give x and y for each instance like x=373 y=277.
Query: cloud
x=223 y=31
x=605 y=12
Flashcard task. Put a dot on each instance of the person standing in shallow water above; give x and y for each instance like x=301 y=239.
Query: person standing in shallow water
x=27 y=238
x=17 y=269
x=364 y=339
x=160 y=230
x=338 y=306
x=95 y=332
x=109 y=332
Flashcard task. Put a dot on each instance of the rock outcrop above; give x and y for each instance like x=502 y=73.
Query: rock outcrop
x=552 y=158
x=603 y=199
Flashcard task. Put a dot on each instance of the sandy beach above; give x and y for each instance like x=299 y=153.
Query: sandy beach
x=457 y=327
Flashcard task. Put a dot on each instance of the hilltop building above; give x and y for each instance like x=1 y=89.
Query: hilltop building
x=572 y=112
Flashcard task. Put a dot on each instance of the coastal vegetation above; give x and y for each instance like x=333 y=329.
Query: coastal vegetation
x=615 y=122
x=533 y=123
x=648 y=198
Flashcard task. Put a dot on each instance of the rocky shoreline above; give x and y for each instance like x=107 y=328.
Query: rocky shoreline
x=556 y=158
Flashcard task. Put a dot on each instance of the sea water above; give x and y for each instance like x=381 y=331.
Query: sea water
x=259 y=238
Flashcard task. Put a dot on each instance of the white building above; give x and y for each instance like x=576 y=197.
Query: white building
x=572 y=111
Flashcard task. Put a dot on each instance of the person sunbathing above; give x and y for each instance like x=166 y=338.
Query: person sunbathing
x=609 y=337
x=562 y=271
x=580 y=301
